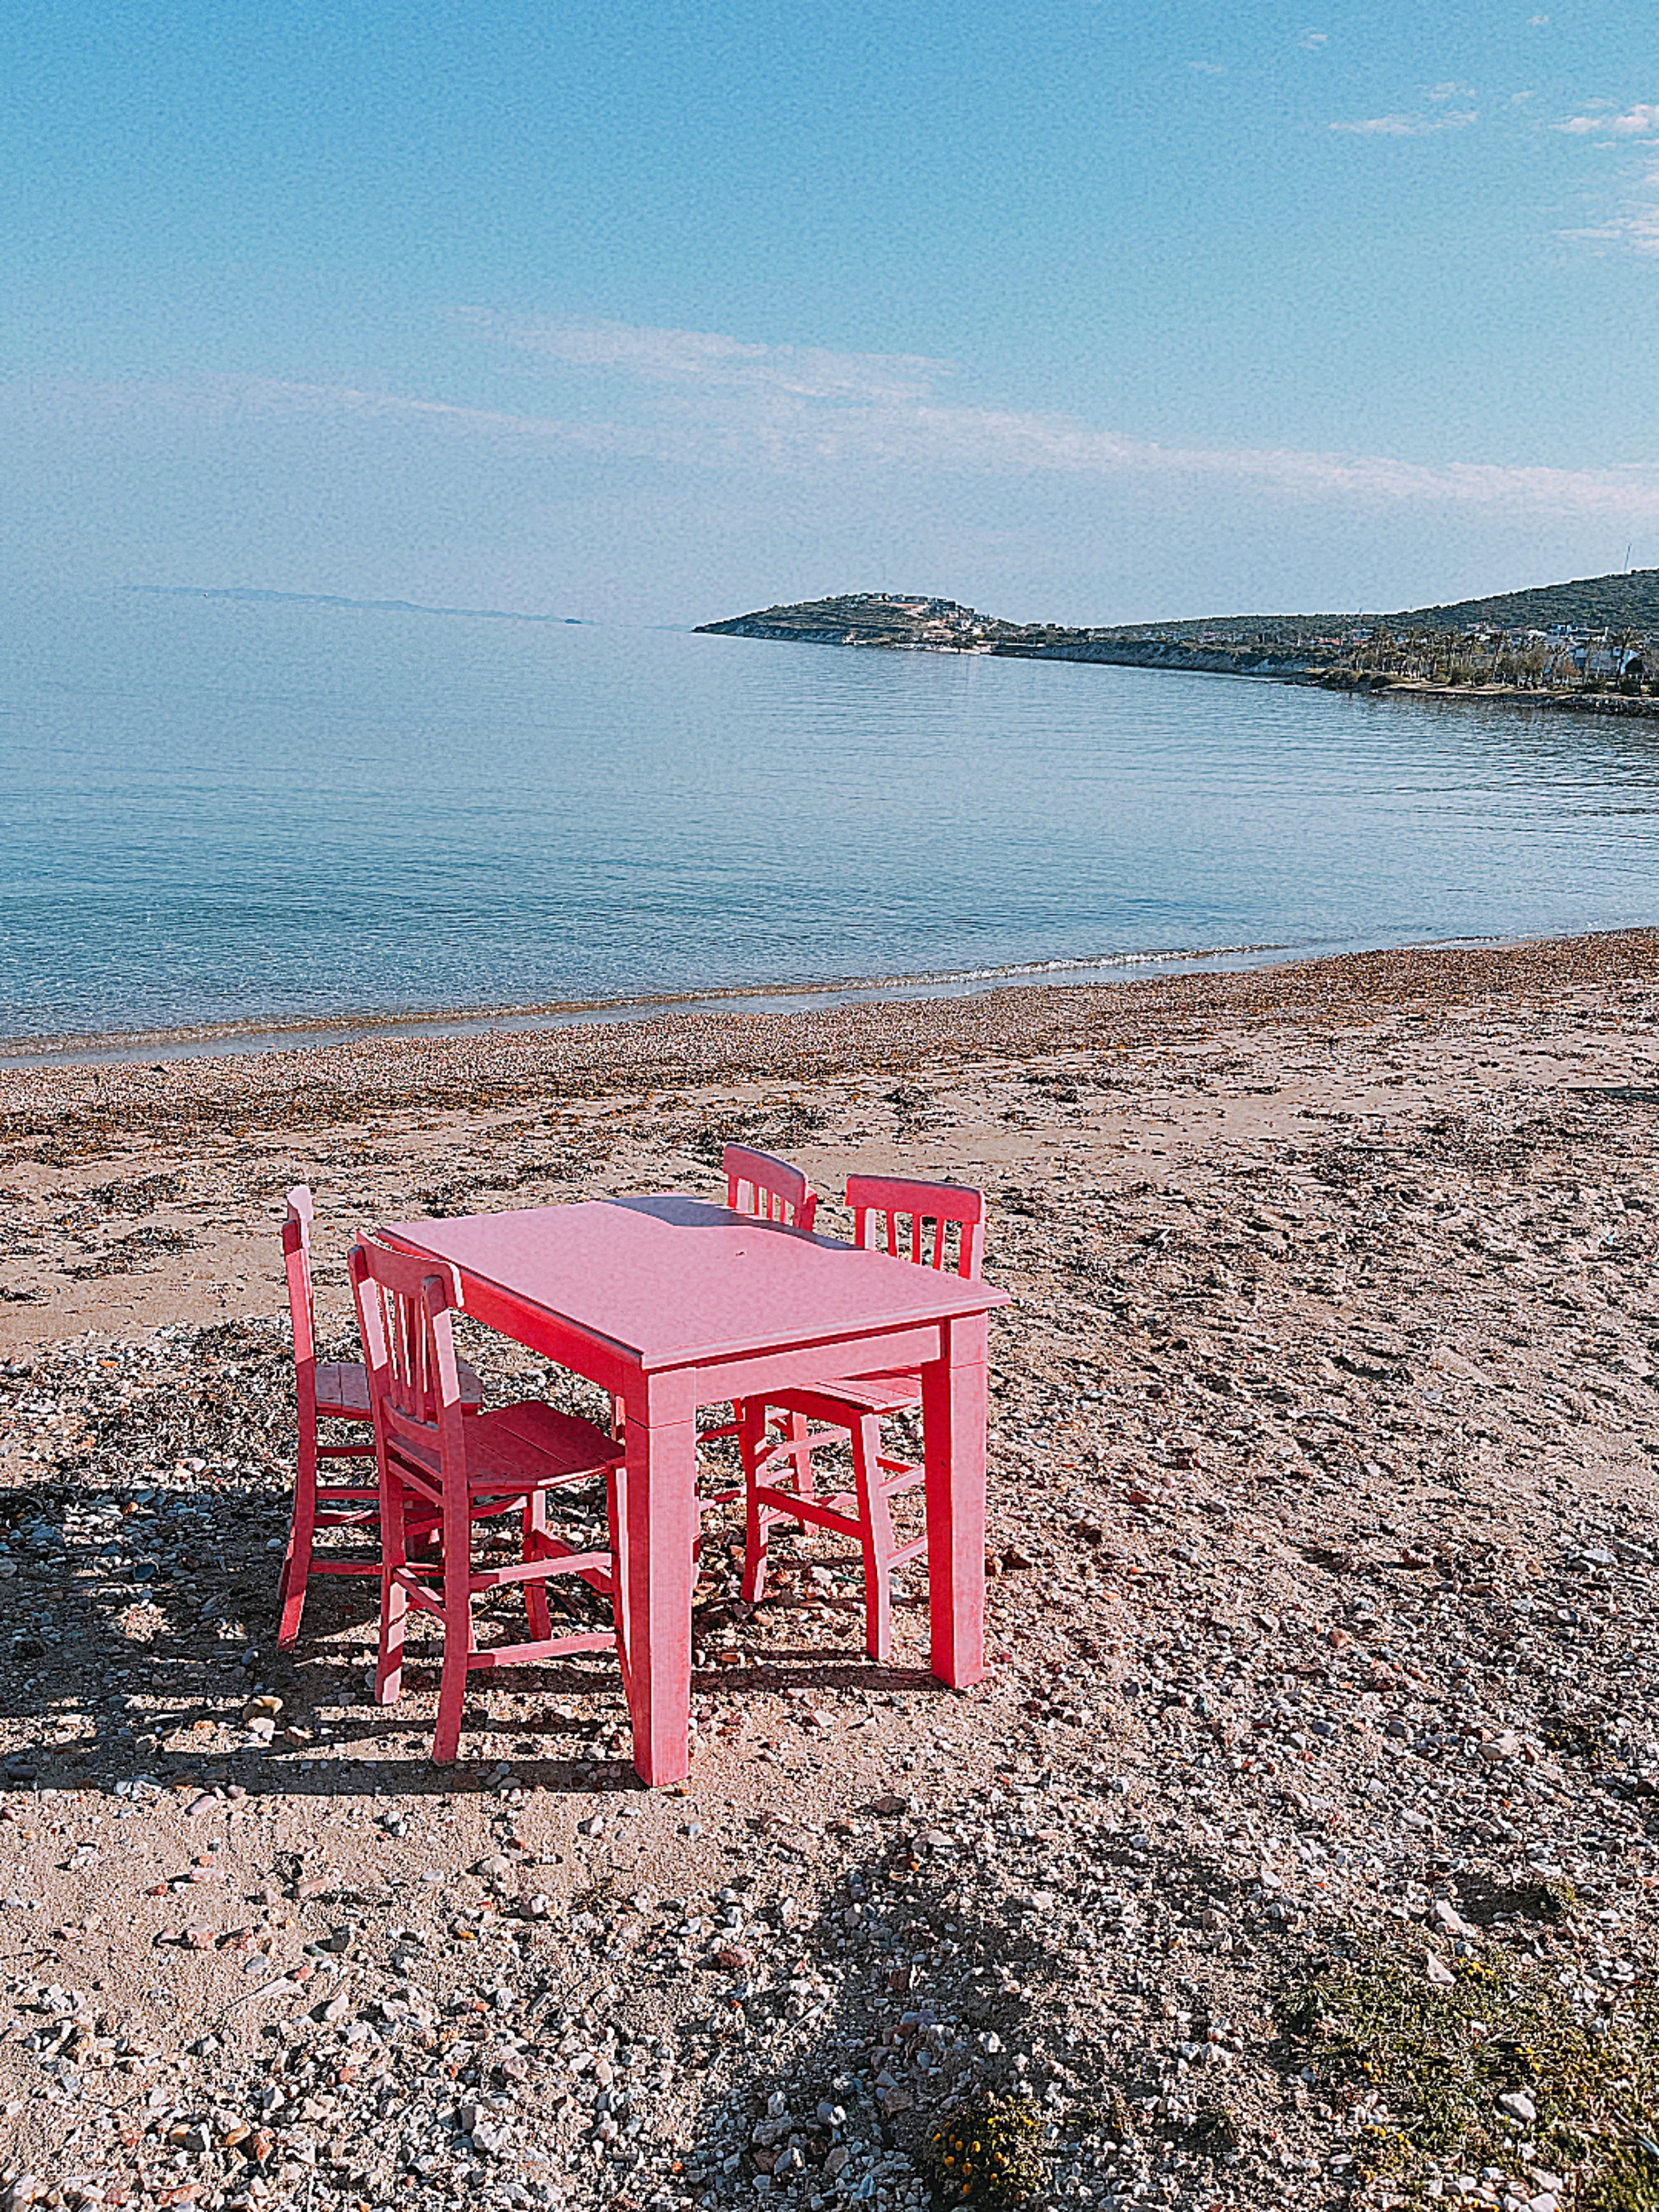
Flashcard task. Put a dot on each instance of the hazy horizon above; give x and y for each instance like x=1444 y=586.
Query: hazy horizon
x=1095 y=317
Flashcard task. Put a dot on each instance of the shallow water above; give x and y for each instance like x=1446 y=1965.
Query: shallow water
x=217 y=811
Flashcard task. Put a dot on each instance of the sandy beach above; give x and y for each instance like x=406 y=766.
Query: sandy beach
x=1301 y=1846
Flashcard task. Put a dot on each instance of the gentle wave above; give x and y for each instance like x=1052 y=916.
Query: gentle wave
x=208 y=1041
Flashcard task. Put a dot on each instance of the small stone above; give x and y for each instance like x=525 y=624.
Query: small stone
x=1519 y=2106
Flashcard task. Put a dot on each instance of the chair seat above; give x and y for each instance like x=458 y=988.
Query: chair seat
x=887 y=1392
x=343 y=1390
x=531 y=1446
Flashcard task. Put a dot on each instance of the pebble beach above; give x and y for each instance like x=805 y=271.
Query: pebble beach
x=1300 y=1847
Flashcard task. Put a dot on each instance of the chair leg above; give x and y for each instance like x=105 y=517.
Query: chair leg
x=751 y=1436
x=394 y=1599
x=799 y=1459
x=296 y=1561
x=876 y=1534
x=535 y=1594
x=458 y=1631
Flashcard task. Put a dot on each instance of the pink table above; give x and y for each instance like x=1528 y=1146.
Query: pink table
x=672 y=1304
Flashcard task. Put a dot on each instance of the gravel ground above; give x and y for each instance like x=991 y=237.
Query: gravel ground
x=1299 y=1848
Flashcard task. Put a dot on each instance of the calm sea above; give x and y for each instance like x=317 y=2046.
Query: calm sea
x=217 y=811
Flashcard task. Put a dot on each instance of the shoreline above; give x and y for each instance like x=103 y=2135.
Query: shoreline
x=85 y=1105
x=189 y=1041
x=278 y=1033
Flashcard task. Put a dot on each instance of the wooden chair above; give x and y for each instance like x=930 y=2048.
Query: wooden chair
x=434 y=1460
x=910 y=1221
x=333 y=1391
x=772 y=1190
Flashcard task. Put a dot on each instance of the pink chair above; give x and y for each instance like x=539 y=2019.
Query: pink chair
x=433 y=1461
x=327 y=1391
x=911 y=1221
x=772 y=1190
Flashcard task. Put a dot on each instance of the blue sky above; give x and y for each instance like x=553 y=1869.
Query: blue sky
x=1077 y=309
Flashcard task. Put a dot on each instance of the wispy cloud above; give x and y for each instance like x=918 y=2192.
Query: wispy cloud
x=707 y=359
x=1641 y=121
x=678 y=399
x=1313 y=40
x=1405 y=126
x=719 y=399
x=1209 y=68
x=1636 y=228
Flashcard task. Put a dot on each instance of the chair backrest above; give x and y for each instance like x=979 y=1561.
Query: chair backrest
x=890 y=1214
x=757 y=1183
x=296 y=1262
x=404 y=1306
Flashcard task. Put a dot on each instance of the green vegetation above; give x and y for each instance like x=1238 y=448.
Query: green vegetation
x=986 y=2153
x=1491 y=2065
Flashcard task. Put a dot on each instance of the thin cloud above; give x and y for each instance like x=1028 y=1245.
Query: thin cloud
x=724 y=401
x=708 y=359
x=1209 y=68
x=1641 y=121
x=858 y=417
x=1313 y=40
x=1637 y=230
x=1404 y=126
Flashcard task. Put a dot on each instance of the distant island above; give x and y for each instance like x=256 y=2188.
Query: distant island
x=332 y=599
x=1593 y=643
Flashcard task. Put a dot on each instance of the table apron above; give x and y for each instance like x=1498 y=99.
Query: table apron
x=712 y=1382
x=805 y=1366
x=556 y=1339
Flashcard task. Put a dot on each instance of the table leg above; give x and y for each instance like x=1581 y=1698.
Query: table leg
x=953 y=1413
x=656 y=1534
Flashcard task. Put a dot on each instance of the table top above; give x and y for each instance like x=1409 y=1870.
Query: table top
x=674 y=1280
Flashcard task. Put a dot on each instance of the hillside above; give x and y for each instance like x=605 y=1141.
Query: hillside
x=916 y=622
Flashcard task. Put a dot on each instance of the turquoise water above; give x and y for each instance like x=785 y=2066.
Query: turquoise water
x=217 y=811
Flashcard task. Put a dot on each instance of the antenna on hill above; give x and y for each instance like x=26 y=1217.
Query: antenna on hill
x=1627 y=557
